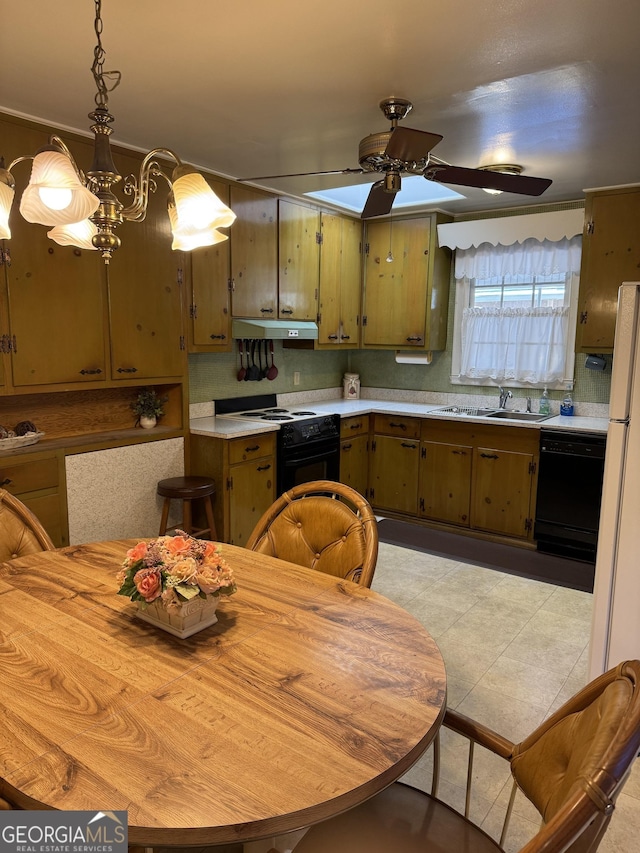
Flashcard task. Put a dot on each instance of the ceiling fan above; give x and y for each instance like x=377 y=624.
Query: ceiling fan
x=405 y=150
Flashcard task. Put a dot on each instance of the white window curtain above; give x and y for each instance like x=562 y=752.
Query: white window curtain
x=518 y=345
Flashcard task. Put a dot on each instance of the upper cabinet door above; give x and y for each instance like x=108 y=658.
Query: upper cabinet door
x=340 y=273
x=55 y=294
x=395 y=298
x=299 y=269
x=610 y=255
x=209 y=313
x=145 y=301
x=254 y=254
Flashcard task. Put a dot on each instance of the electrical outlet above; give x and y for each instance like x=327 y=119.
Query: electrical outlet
x=296 y=377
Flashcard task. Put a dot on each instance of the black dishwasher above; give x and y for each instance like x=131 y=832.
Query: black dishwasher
x=569 y=493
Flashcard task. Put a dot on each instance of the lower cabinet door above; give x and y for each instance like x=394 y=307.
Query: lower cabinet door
x=252 y=490
x=394 y=473
x=445 y=482
x=502 y=485
x=354 y=463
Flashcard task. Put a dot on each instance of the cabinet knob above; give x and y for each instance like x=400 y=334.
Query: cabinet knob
x=218 y=337
x=6 y=482
x=489 y=456
x=332 y=337
x=266 y=310
x=414 y=339
x=263 y=467
x=346 y=337
x=410 y=446
x=397 y=426
x=347 y=446
x=90 y=372
x=127 y=370
x=286 y=310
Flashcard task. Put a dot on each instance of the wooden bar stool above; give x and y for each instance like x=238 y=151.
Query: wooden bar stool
x=188 y=489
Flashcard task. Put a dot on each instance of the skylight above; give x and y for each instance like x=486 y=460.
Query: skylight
x=415 y=190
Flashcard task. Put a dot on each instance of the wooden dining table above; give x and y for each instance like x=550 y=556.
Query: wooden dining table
x=310 y=695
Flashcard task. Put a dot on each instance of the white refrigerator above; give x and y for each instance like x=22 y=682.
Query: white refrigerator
x=615 y=630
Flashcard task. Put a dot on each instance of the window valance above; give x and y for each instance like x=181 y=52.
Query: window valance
x=530 y=258
x=507 y=230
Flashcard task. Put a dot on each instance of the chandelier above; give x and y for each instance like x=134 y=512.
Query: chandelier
x=83 y=209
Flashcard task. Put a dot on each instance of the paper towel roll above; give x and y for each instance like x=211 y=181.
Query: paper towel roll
x=413 y=357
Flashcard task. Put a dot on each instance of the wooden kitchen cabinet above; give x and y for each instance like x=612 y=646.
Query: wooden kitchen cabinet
x=52 y=321
x=209 y=299
x=340 y=279
x=479 y=477
x=405 y=300
x=354 y=453
x=145 y=279
x=254 y=254
x=299 y=265
x=245 y=473
x=38 y=480
x=445 y=476
x=501 y=490
x=394 y=458
x=610 y=256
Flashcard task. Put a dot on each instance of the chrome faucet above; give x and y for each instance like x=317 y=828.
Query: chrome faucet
x=504 y=396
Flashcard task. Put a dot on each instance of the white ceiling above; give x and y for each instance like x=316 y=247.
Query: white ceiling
x=251 y=87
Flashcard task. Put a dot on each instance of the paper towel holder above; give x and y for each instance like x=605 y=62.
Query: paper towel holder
x=413 y=357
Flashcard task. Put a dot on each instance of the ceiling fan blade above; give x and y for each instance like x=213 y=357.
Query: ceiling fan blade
x=303 y=175
x=485 y=179
x=378 y=201
x=410 y=145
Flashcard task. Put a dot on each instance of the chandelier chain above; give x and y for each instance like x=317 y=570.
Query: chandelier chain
x=97 y=69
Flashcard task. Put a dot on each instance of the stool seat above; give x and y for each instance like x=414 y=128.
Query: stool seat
x=188 y=489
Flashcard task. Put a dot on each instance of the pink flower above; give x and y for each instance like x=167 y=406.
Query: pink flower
x=148 y=583
x=177 y=545
x=139 y=552
x=208 y=579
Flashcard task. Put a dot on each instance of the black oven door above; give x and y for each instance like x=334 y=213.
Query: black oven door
x=317 y=461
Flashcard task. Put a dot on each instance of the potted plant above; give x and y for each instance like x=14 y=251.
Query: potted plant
x=148 y=407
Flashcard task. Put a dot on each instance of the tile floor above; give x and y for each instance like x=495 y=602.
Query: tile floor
x=515 y=650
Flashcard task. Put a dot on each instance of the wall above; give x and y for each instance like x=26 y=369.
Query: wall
x=213 y=376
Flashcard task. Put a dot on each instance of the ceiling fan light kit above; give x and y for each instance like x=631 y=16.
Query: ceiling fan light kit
x=84 y=210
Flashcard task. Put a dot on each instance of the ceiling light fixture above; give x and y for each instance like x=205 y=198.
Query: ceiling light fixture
x=83 y=209
x=503 y=169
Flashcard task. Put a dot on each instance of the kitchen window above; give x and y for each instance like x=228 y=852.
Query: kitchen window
x=515 y=313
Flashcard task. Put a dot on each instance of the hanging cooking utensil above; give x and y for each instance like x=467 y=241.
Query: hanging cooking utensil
x=273 y=370
x=254 y=373
x=247 y=375
x=259 y=349
x=265 y=369
x=243 y=370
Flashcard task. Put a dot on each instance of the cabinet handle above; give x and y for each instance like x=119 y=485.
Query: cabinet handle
x=398 y=426
x=489 y=456
x=127 y=370
x=89 y=372
x=263 y=467
x=266 y=310
x=252 y=449
x=332 y=337
x=218 y=337
x=355 y=426
x=286 y=310
x=460 y=453
x=347 y=446
x=414 y=338
x=346 y=337
x=412 y=446
x=6 y=482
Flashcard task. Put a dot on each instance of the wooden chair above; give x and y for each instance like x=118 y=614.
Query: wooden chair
x=571 y=768
x=188 y=490
x=20 y=531
x=322 y=525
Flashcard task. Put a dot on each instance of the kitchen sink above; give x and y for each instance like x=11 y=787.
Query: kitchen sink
x=512 y=415
x=468 y=411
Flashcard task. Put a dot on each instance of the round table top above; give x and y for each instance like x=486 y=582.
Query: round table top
x=309 y=696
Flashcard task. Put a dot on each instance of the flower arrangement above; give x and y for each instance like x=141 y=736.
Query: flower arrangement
x=175 y=569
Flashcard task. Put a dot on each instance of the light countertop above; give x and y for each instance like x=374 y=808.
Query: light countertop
x=227 y=428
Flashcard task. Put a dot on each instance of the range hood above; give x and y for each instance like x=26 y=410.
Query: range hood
x=277 y=330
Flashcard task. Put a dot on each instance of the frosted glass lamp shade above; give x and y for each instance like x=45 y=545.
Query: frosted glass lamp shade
x=77 y=234
x=197 y=205
x=186 y=238
x=55 y=195
x=6 y=200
